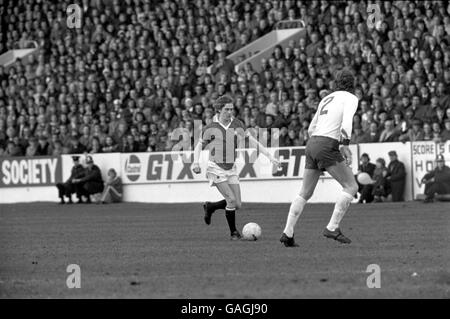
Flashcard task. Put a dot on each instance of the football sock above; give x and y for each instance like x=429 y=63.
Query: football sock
x=231 y=219
x=218 y=205
x=295 y=211
x=340 y=208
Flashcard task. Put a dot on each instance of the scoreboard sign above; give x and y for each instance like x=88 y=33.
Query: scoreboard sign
x=30 y=171
x=424 y=161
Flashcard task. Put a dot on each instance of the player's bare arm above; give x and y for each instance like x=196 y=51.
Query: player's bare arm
x=347 y=127
x=197 y=151
x=345 y=149
x=256 y=144
x=347 y=154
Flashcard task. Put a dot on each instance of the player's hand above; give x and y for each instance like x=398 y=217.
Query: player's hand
x=196 y=168
x=345 y=151
x=275 y=161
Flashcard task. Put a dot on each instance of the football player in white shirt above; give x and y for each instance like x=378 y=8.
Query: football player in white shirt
x=331 y=124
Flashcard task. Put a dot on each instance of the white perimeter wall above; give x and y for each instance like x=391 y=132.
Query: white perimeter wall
x=276 y=191
x=262 y=190
x=267 y=191
x=28 y=194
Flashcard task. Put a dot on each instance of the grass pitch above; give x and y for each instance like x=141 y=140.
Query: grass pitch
x=166 y=251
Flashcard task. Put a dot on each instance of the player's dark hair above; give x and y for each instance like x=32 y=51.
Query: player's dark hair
x=345 y=81
x=221 y=102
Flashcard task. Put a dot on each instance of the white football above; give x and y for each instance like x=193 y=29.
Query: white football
x=364 y=179
x=251 y=231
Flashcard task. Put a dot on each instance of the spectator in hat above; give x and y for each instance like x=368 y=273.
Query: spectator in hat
x=396 y=177
x=437 y=181
x=113 y=188
x=68 y=188
x=90 y=183
x=365 y=190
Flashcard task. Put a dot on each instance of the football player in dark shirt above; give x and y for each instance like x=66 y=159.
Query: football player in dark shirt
x=221 y=138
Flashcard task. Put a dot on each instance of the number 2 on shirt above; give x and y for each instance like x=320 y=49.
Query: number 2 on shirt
x=325 y=103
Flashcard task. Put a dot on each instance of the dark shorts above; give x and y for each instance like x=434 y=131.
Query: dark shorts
x=322 y=152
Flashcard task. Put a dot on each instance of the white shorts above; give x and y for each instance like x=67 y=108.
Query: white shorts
x=215 y=174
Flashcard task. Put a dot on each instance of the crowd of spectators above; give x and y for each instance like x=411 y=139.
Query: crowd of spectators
x=137 y=69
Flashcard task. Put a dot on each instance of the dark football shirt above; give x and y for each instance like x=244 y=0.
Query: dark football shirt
x=222 y=142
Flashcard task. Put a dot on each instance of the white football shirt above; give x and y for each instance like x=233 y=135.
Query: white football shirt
x=334 y=116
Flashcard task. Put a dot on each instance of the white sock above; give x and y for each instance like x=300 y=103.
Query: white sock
x=340 y=208
x=295 y=211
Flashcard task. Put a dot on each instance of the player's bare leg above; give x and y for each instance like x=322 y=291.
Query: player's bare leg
x=236 y=189
x=344 y=175
x=230 y=211
x=310 y=179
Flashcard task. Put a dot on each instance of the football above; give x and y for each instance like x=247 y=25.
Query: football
x=251 y=231
x=364 y=179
